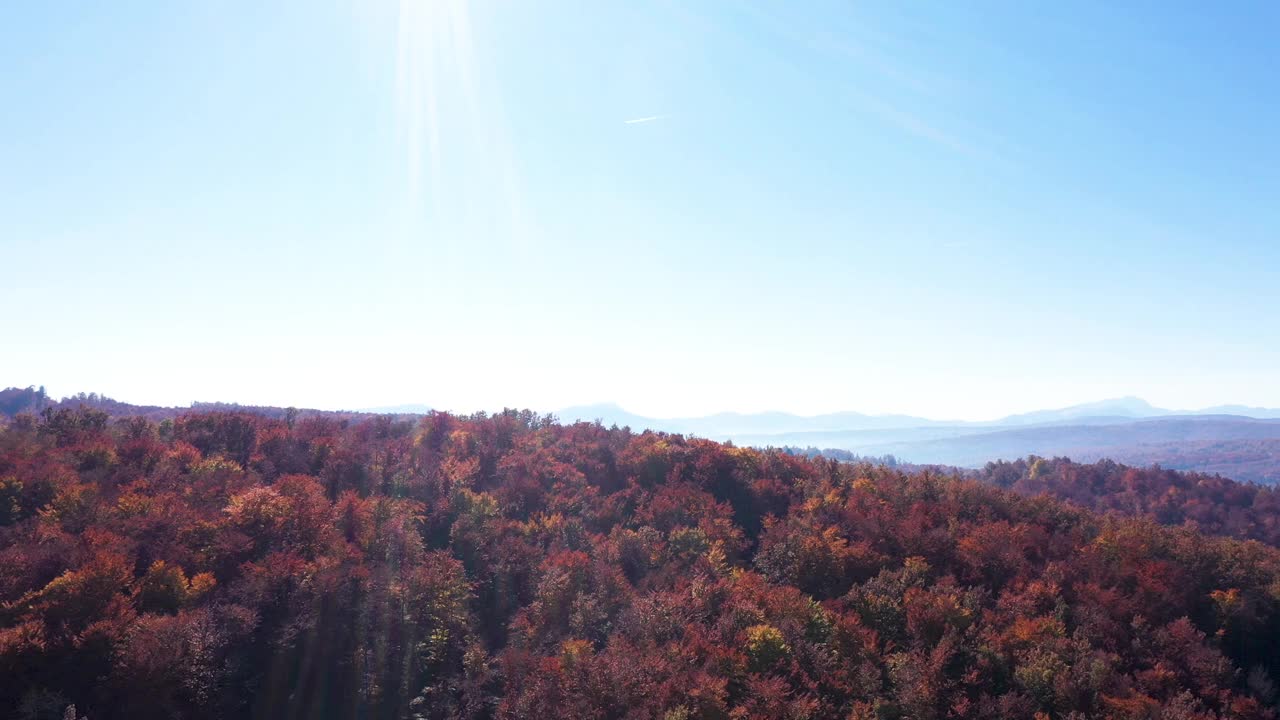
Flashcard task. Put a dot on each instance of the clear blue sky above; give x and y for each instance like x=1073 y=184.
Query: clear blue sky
x=949 y=209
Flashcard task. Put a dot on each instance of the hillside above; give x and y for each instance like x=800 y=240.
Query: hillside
x=225 y=564
x=1210 y=503
x=34 y=401
x=1239 y=442
x=1210 y=443
x=1246 y=449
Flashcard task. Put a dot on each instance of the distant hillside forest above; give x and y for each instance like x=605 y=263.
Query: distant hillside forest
x=1210 y=503
x=33 y=400
x=1240 y=447
x=227 y=564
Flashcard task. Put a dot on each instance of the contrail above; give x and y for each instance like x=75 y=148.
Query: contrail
x=651 y=118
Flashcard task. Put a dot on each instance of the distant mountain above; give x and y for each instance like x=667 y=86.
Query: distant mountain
x=1237 y=441
x=1237 y=447
x=608 y=414
x=724 y=424
x=1242 y=410
x=727 y=424
x=1086 y=442
x=1125 y=407
x=1130 y=407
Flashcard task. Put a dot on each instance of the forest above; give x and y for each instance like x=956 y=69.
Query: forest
x=1211 y=503
x=230 y=564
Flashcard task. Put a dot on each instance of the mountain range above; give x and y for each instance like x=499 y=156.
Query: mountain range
x=1110 y=411
x=1233 y=440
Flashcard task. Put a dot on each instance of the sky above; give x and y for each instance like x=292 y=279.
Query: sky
x=956 y=210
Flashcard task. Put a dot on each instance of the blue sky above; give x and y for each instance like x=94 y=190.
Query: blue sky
x=948 y=209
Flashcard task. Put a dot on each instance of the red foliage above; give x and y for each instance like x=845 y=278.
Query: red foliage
x=231 y=564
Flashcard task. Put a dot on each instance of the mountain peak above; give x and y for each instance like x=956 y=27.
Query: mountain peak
x=1130 y=404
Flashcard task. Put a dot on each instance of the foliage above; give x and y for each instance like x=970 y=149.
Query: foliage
x=229 y=564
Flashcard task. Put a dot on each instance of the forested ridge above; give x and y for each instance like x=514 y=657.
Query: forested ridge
x=225 y=564
x=1211 y=503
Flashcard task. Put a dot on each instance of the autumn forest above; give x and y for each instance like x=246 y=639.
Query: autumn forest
x=230 y=564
